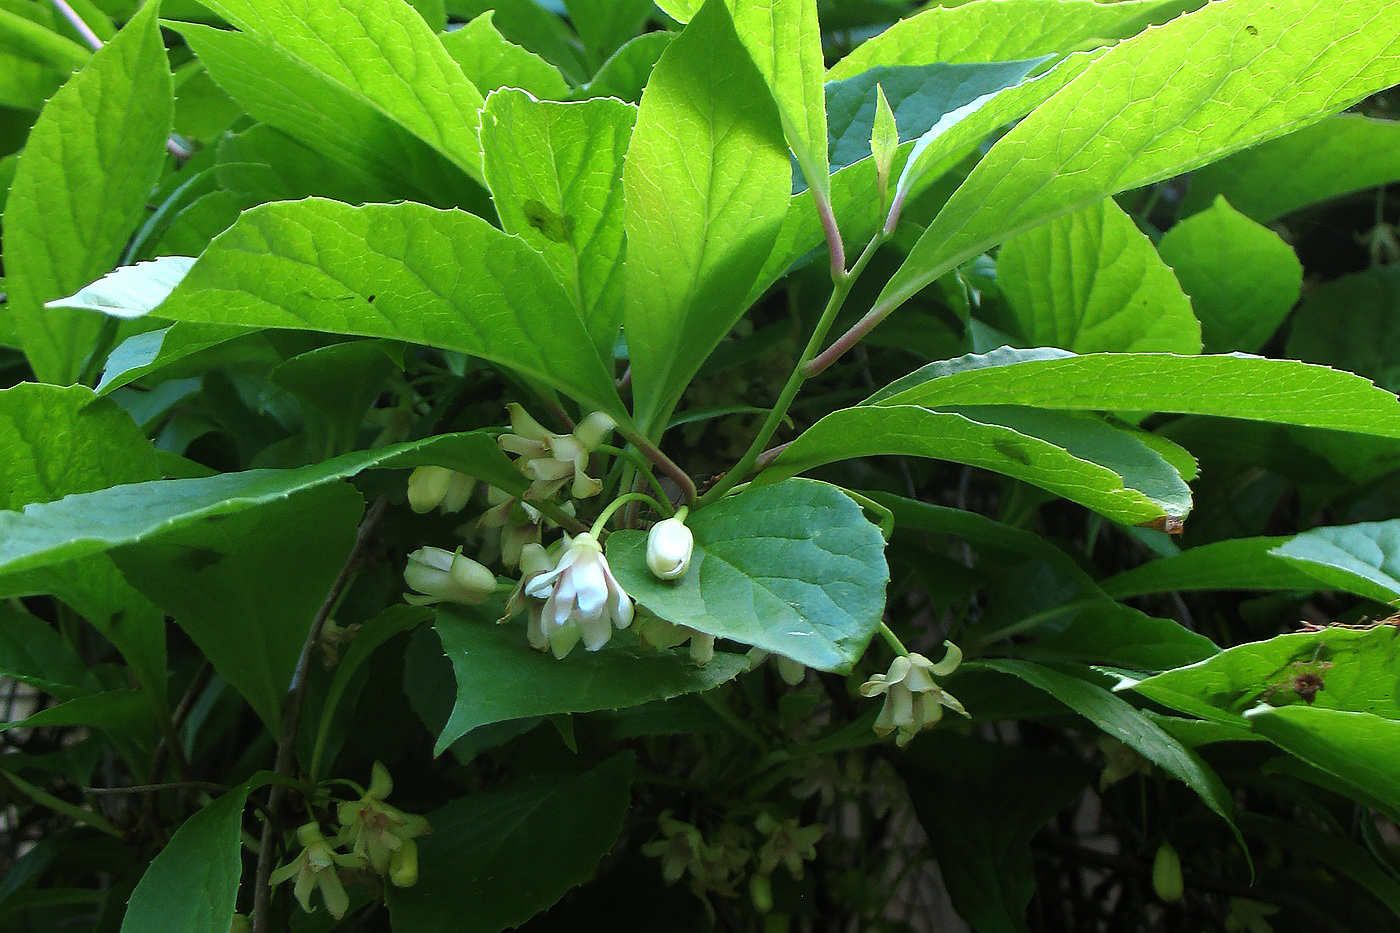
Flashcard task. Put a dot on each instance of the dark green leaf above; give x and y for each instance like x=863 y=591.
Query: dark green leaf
x=532 y=841
x=34 y=653
x=793 y=568
x=1362 y=558
x=1353 y=323
x=1236 y=564
x=1357 y=747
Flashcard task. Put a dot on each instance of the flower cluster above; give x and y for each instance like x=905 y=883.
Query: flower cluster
x=379 y=839
x=913 y=699
x=582 y=600
x=551 y=460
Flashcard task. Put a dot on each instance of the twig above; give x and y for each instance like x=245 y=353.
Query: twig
x=77 y=23
x=291 y=716
x=668 y=466
x=210 y=786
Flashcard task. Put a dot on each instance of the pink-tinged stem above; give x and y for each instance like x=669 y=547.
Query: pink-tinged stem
x=83 y=28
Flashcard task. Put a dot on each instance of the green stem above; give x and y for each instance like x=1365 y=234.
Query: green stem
x=668 y=466
x=44 y=799
x=618 y=503
x=839 y=292
x=557 y=515
x=889 y=636
x=638 y=461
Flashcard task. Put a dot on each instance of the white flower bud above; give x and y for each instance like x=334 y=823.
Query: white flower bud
x=445 y=576
x=593 y=430
x=669 y=546
x=432 y=486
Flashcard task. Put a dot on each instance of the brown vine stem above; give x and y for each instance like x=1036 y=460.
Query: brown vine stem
x=291 y=717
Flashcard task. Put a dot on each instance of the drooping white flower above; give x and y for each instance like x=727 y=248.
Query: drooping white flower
x=669 y=546
x=913 y=699
x=582 y=599
x=549 y=460
x=447 y=576
x=317 y=867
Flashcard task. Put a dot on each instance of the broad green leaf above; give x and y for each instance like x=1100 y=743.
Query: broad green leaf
x=490 y=61
x=1001 y=30
x=1359 y=668
x=56 y=442
x=337 y=385
x=1233 y=386
x=793 y=568
x=26 y=85
x=34 y=653
x=706 y=185
x=784 y=40
x=384 y=53
x=1090 y=281
x=927 y=100
x=680 y=10
x=339 y=124
x=1236 y=564
x=625 y=75
x=192 y=884
x=533 y=26
x=985 y=851
x=533 y=840
x=605 y=25
x=1342 y=856
x=555 y=174
x=263 y=164
x=1114 y=128
x=1242 y=278
x=1336 y=156
x=155 y=350
x=1352 y=323
x=1357 y=747
x=1363 y=558
x=914 y=431
x=399 y=271
x=124 y=714
x=81 y=525
x=202 y=573
x=500 y=677
x=1120 y=719
x=80 y=190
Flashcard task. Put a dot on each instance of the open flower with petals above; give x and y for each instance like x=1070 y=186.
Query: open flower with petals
x=913 y=699
x=550 y=460
x=582 y=599
x=447 y=577
x=316 y=868
x=788 y=843
x=380 y=834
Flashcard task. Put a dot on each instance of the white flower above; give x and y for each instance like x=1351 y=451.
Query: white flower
x=669 y=546
x=445 y=576
x=548 y=459
x=913 y=699
x=582 y=598
x=432 y=486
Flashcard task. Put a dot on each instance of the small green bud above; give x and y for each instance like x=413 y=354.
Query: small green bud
x=761 y=893
x=1166 y=874
x=884 y=141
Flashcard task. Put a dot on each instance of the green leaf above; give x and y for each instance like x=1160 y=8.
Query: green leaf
x=793 y=568
x=1357 y=747
x=985 y=851
x=531 y=26
x=946 y=435
x=80 y=190
x=263 y=164
x=1233 y=386
x=125 y=714
x=625 y=74
x=337 y=122
x=533 y=841
x=193 y=883
x=928 y=101
x=490 y=61
x=500 y=677
x=1001 y=30
x=555 y=173
x=1353 y=323
x=1236 y=564
x=784 y=40
x=680 y=10
x=398 y=271
x=200 y=573
x=1242 y=278
x=80 y=525
x=605 y=25
x=27 y=40
x=1122 y=721
x=1090 y=281
x=1360 y=669
x=706 y=184
x=384 y=53
x=157 y=350
x=337 y=385
x=34 y=653
x=60 y=441
x=1115 y=128
x=1336 y=156
x=1363 y=558
x=1109 y=633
